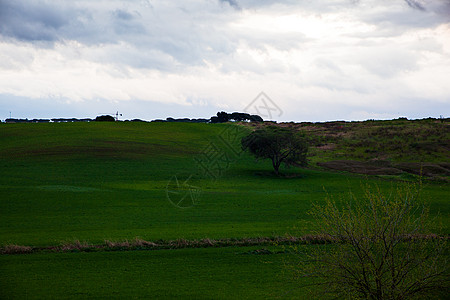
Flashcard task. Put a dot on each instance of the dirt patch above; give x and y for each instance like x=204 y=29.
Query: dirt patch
x=327 y=147
x=361 y=167
x=383 y=167
x=68 y=188
x=426 y=169
x=140 y=244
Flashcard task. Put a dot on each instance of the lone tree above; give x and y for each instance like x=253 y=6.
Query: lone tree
x=281 y=145
x=382 y=248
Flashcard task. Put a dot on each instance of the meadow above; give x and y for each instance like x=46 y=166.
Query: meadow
x=63 y=182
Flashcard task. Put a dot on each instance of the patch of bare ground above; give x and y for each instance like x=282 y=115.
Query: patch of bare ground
x=140 y=244
x=360 y=167
x=383 y=167
x=16 y=249
x=326 y=147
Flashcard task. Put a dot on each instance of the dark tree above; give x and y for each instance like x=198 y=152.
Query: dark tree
x=281 y=145
x=105 y=118
x=239 y=117
x=255 y=118
x=223 y=117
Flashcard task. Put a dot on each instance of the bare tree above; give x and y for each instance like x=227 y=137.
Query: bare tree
x=382 y=248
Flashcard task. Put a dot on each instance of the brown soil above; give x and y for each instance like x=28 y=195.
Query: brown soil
x=383 y=167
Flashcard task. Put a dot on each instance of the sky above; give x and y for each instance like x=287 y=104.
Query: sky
x=303 y=60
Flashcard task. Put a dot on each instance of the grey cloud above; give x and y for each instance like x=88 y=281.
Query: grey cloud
x=415 y=4
x=388 y=62
x=189 y=33
x=441 y=8
x=31 y=21
x=167 y=35
x=123 y=15
x=127 y=23
x=262 y=3
x=392 y=19
x=232 y=3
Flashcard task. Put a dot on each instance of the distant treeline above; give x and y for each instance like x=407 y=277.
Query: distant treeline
x=221 y=117
x=186 y=120
x=236 y=117
x=56 y=120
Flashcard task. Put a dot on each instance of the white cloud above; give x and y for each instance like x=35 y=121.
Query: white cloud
x=317 y=59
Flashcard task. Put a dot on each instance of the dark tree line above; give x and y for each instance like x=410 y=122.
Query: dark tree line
x=54 y=120
x=223 y=117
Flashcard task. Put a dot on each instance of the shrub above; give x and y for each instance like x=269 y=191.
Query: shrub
x=383 y=249
x=16 y=249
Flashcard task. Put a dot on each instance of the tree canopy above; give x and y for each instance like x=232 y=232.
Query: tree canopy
x=105 y=118
x=223 y=117
x=281 y=145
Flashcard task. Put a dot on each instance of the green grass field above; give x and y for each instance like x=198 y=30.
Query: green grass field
x=186 y=273
x=109 y=181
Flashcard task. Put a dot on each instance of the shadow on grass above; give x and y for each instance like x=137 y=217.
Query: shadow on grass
x=266 y=174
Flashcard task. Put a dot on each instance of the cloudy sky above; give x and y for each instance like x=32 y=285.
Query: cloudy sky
x=314 y=60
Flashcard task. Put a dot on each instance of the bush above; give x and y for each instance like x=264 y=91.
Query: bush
x=384 y=248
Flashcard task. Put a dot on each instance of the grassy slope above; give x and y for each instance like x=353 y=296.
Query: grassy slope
x=227 y=273
x=400 y=140
x=108 y=181
x=94 y=181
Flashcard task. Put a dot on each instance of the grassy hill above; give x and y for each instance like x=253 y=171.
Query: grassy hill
x=96 y=181
x=115 y=181
x=392 y=147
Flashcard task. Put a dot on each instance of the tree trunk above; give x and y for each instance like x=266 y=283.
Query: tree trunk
x=276 y=166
